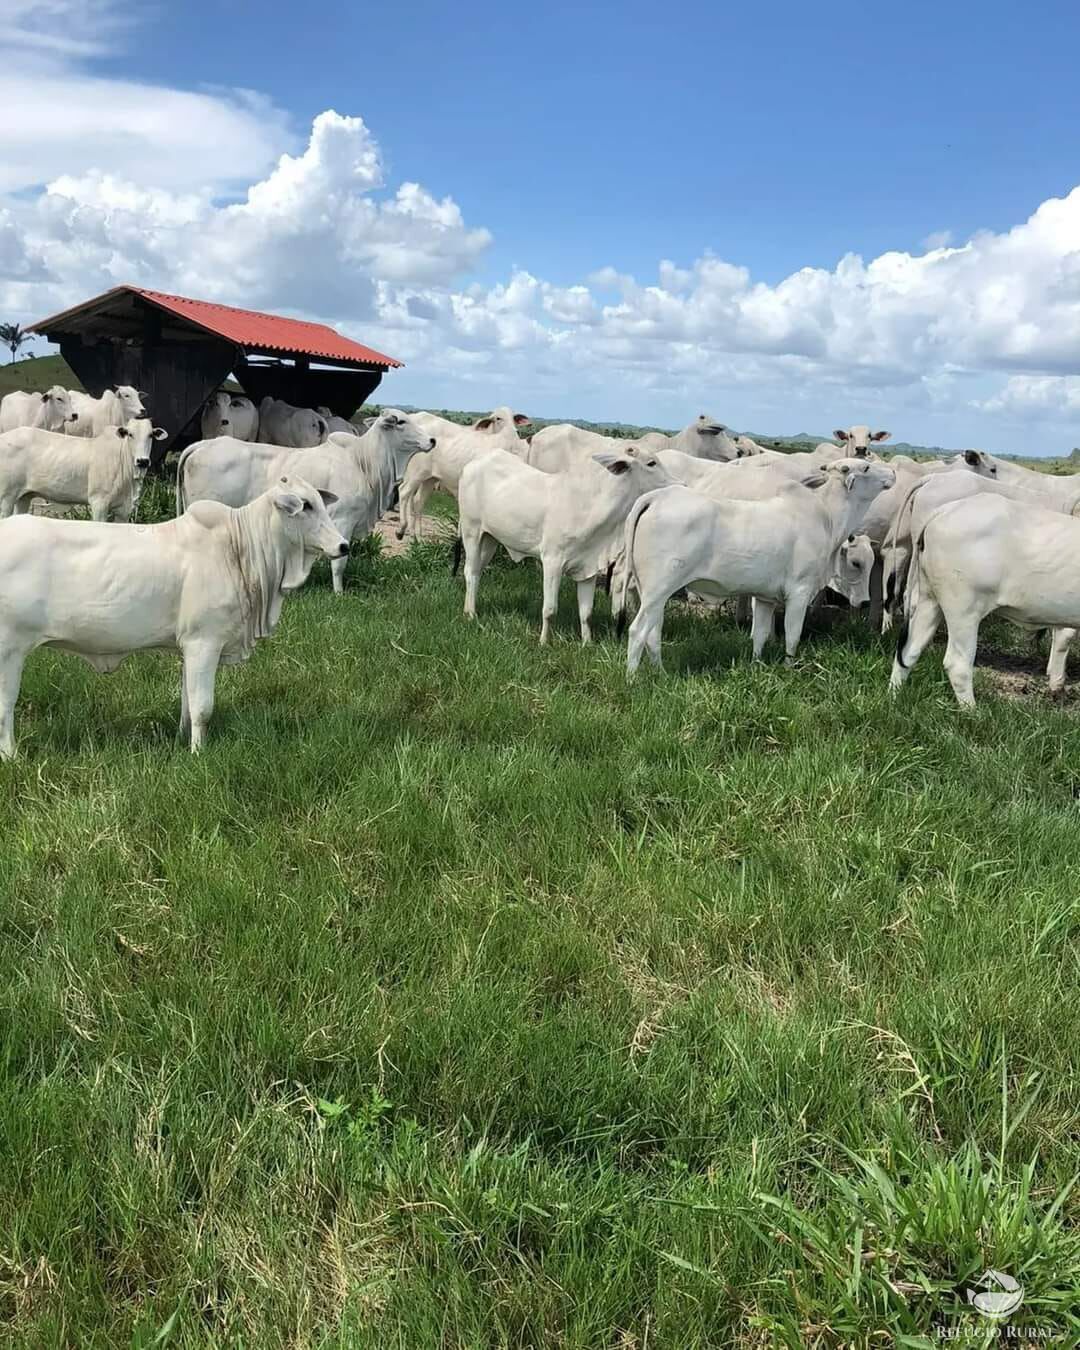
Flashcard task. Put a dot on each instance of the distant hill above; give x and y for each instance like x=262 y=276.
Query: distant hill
x=36 y=374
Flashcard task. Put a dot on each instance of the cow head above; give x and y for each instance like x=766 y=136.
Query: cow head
x=403 y=437
x=708 y=438
x=978 y=462
x=56 y=408
x=637 y=468
x=863 y=479
x=138 y=434
x=501 y=420
x=858 y=440
x=302 y=512
x=854 y=562
x=131 y=401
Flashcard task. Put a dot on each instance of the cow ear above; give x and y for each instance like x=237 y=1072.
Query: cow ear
x=328 y=498
x=520 y=420
x=288 y=502
x=971 y=457
x=840 y=435
x=815 y=480
x=160 y=434
x=122 y=432
x=880 y=435
x=482 y=424
x=615 y=464
x=45 y=397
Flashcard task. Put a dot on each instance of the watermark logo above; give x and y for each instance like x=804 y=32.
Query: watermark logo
x=996 y=1295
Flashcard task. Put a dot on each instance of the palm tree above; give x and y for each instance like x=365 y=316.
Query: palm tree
x=13 y=337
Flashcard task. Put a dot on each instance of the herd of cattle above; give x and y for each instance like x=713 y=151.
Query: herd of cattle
x=269 y=489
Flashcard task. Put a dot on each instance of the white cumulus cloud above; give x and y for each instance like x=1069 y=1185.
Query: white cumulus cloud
x=211 y=194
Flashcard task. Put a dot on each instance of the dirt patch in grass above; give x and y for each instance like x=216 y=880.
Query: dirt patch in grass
x=431 y=527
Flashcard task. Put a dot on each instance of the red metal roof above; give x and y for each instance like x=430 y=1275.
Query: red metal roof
x=249 y=328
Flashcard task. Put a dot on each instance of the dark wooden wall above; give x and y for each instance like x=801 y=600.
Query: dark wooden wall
x=176 y=378
x=342 y=391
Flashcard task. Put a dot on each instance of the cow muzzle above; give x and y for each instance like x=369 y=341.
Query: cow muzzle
x=142 y=463
x=342 y=550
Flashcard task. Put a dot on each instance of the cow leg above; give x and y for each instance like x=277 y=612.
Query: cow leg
x=479 y=551
x=959 y=660
x=418 y=500
x=552 y=578
x=764 y=612
x=876 y=592
x=200 y=671
x=11 y=666
x=585 y=592
x=915 y=636
x=645 y=634
x=1059 y=650
x=794 y=617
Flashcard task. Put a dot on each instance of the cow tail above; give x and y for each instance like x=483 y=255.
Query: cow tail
x=181 y=501
x=628 y=576
x=897 y=578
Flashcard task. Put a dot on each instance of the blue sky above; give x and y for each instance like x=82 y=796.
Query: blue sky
x=779 y=134
x=570 y=139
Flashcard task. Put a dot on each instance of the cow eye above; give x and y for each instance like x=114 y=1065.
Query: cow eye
x=651 y=464
x=857 y=565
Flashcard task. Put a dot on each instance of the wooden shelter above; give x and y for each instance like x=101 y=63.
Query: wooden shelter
x=178 y=351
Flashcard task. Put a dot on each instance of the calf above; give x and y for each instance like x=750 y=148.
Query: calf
x=104 y=473
x=571 y=521
x=780 y=551
x=294 y=428
x=50 y=410
x=455 y=446
x=988 y=554
x=209 y=585
x=116 y=407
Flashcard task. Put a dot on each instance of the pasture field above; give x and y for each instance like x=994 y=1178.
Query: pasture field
x=460 y=994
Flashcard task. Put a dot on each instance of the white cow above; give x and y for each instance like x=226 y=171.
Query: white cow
x=455 y=446
x=295 y=428
x=361 y=472
x=856 y=441
x=103 y=473
x=926 y=495
x=50 y=410
x=851 y=570
x=227 y=414
x=705 y=437
x=780 y=551
x=115 y=408
x=1059 y=490
x=571 y=521
x=747 y=446
x=762 y=479
x=208 y=584
x=562 y=445
x=335 y=423
x=987 y=554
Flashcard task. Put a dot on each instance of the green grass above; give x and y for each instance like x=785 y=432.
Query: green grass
x=35 y=374
x=460 y=994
